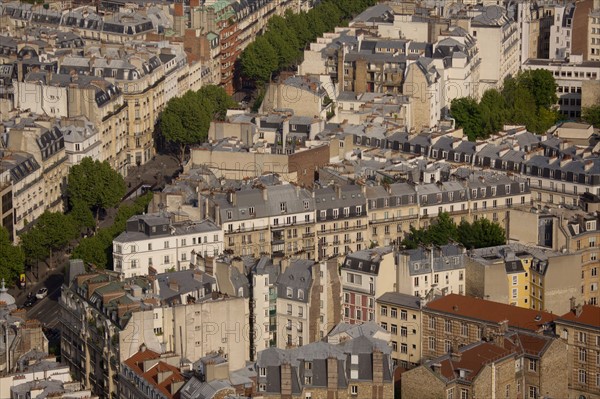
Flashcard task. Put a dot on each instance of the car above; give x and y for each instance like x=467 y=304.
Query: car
x=30 y=301
x=42 y=293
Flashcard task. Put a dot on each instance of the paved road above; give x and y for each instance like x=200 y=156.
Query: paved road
x=46 y=310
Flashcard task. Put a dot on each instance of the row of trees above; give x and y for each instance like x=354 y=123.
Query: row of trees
x=97 y=249
x=526 y=99
x=286 y=37
x=479 y=234
x=186 y=119
x=93 y=186
x=591 y=115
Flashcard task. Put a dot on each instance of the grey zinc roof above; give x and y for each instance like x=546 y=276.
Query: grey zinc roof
x=419 y=259
x=404 y=300
x=297 y=276
x=185 y=280
x=350 y=195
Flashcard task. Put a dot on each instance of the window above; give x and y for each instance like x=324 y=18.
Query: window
x=431 y=343
x=166 y=260
x=354 y=389
x=432 y=323
x=289 y=292
x=394 y=346
x=394 y=329
x=262 y=371
x=450 y=393
x=300 y=294
x=464 y=329
x=582 y=337
x=306 y=205
x=448 y=326
x=515 y=280
x=533 y=365
x=166 y=244
x=384 y=310
x=403 y=331
x=403 y=314
x=308 y=380
x=582 y=355
x=464 y=393
x=582 y=377
x=533 y=392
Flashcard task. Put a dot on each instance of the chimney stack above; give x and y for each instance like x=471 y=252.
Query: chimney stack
x=332 y=374
x=286 y=380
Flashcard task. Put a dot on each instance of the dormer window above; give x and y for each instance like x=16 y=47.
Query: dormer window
x=251 y=210
x=301 y=294
x=229 y=215
x=282 y=206
x=289 y=292
x=306 y=205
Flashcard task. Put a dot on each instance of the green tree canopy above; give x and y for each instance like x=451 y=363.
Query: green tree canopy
x=479 y=234
x=466 y=112
x=591 y=115
x=259 y=60
x=12 y=259
x=33 y=243
x=95 y=184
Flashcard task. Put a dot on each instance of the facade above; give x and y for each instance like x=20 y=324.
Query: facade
x=561 y=34
x=162 y=244
x=423 y=270
x=400 y=314
x=528 y=277
x=6 y=204
x=456 y=320
x=359 y=367
x=496 y=33
x=511 y=365
x=340 y=220
x=580 y=330
x=365 y=276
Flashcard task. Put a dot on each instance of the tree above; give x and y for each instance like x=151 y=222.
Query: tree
x=82 y=216
x=96 y=185
x=466 y=112
x=591 y=115
x=57 y=231
x=185 y=121
x=216 y=100
x=493 y=111
x=93 y=250
x=443 y=230
x=481 y=234
x=542 y=86
x=259 y=60
x=12 y=258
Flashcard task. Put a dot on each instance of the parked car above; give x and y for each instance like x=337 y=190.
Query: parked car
x=30 y=301
x=42 y=293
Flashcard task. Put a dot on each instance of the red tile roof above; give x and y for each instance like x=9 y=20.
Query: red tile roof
x=472 y=360
x=135 y=363
x=590 y=316
x=493 y=312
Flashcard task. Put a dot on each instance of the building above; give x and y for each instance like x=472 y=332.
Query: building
x=104 y=319
x=365 y=276
x=497 y=36
x=511 y=365
x=160 y=242
x=6 y=203
x=454 y=320
x=525 y=276
x=341 y=220
x=148 y=374
x=580 y=330
x=359 y=367
x=400 y=314
x=570 y=76
x=561 y=34
x=422 y=270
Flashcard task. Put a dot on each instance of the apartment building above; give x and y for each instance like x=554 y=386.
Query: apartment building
x=425 y=84
x=365 y=276
x=63 y=95
x=580 y=330
x=274 y=219
x=436 y=198
x=457 y=320
x=523 y=365
x=392 y=210
x=561 y=32
x=104 y=320
x=295 y=316
x=161 y=243
x=82 y=140
x=359 y=367
x=570 y=76
x=263 y=300
x=400 y=314
x=28 y=187
x=7 y=217
x=497 y=36
x=45 y=141
x=341 y=220
x=425 y=270
x=148 y=374
x=535 y=23
x=533 y=277
x=593 y=43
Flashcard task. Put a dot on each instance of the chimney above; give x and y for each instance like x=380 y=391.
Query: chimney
x=565 y=160
x=173 y=285
x=578 y=310
x=455 y=355
x=588 y=164
x=332 y=374
x=377 y=367
x=286 y=379
x=572 y=303
x=197 y=275
x=178 y=12
x=194 y=3
x=436 y=368
x=265 y=194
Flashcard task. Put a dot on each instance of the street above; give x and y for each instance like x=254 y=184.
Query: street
x=46 y=310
